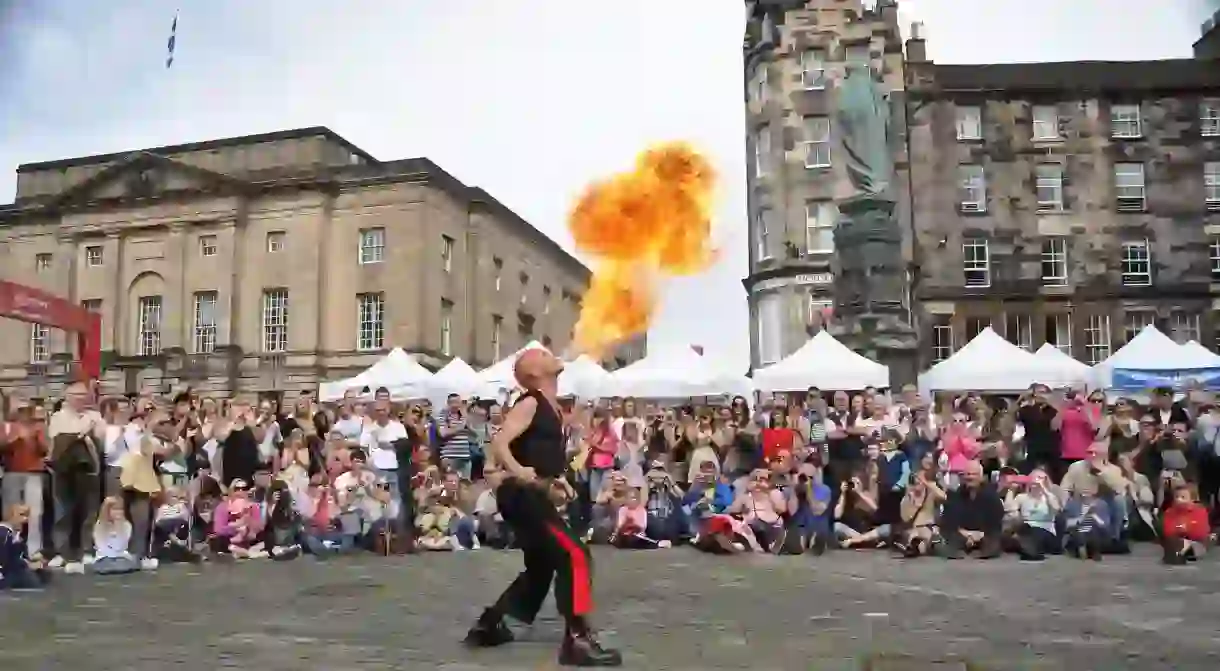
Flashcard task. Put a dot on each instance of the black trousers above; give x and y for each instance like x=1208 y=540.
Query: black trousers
x=553 y=553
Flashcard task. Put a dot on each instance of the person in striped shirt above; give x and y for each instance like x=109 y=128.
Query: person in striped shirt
x=456 y=436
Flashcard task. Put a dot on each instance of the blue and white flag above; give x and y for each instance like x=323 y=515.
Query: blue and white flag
x=173 y=35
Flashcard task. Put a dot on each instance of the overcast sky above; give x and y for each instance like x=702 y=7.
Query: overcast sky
x=529 y=99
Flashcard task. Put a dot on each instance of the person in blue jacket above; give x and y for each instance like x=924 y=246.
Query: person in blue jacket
x=17 y=569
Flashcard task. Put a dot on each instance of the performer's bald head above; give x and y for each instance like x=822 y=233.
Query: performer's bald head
x=533 y=366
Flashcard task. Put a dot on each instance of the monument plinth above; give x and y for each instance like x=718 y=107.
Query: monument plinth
x=871 y=314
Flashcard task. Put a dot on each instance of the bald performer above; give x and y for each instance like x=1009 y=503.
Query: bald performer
x=530 y=449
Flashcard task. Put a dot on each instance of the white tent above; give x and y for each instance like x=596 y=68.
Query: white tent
x=1153 y=359
x=823 y=362
x=1071 y=372
x=497 y=380
x=988 y=363
x=455 y=377
x=582 y=378
x=674 y=373
x=397 y=371
x=1198 y=350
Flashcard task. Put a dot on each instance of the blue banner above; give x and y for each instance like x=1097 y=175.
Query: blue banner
x=1133 y=379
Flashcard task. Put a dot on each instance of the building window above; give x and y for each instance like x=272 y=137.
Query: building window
x=1129 y=187
x=821 y=310
x=817 y=142
x=1019 y=330
x=525 y=288
x=1184 y=325
x=1050 y=188
x=813 y=69
x=769 y=328
x=762 y=236
x=93 y=256
x=497 y=327
x=975 y=326
x=203 y=331
x=1046 y=122
x=969 y=123
x=1213 y=253
x=976 y=262
x=148 y=326
x=1209 y=118
x=758 y=85
x=1211 y=185
x=93 y=305
x=1125 y=121
x=207 y=245
x=498 y=270
x=42 y=262
x=446 y=327
x=858 y=54
x=275 y=320
x=1137 y=264
x=40 y=343
x=1054 y=261
x=372 y=245
x=973 y=188
x=275 y=242
x=1135 y=321
x=942 y=337
x=370 y=321
x=546 y=300
x=447 y=253
x=1059 y=332
x=762 y=151
x=1097 y=339
x=820 y=217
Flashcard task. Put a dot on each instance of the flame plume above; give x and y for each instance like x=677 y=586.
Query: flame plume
x=642 y=225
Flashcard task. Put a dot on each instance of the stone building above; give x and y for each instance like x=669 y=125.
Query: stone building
x=271 y=262
x=1069 y=203
x=795 y=52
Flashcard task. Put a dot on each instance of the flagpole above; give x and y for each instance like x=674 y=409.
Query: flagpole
x=169 y=46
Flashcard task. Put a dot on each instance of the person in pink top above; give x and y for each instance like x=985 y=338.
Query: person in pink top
x=632 y=521
x=1077 y=425
x=960 y=446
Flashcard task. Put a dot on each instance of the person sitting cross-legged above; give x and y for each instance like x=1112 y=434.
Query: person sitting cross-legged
x=973 y=517
x=1186 y=528
x=18 y=571
x=667 y=520
x=1088 y=525
x=632 y=523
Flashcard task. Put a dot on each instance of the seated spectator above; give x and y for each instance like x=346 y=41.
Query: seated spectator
x=433 y=523
x=111 y=535
x=667 y=521
x=606 y=504
x=856 y=511
x=918 y=513
x=1097 y=479
x=1037 y=507
x=760 y=507
x=488 y=521
x=352 y=489
x=338 y=454
x=18 y=571
x=1186 y=529
x=808 y=513
x=708 y=495
x=973 y=516
x=1138 y=500
x=172 y=529
x=631 y=525
x=463 y=525
x=237 y=524
x=283 y=531
x=1088 y=524
x=323 y=534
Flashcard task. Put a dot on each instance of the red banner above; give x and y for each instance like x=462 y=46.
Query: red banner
x=35 y=306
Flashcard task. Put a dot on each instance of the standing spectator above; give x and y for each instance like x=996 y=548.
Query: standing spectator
x=23 y=450
x=378 y=442
x=1035 y=415
x=456 y=435
x=76 y=465
x=116 y=413
x=239 y=439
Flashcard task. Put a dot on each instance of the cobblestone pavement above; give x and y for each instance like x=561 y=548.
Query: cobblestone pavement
x=669 y=609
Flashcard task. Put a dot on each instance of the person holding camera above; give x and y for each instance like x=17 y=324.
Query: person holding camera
x=1096 y=484
x=1037 y=508
x=856 y=510
x=918 y=514
x=666 y=519
x=808 y=512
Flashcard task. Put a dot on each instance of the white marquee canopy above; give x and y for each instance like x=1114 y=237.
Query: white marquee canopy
x=397 y=371
x=677 y=372
x=988 y=363
x=825 y=363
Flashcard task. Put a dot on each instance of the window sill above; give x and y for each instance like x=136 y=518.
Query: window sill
x=1052 y=210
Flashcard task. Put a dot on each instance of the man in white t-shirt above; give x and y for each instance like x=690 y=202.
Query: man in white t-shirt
x=378 y=442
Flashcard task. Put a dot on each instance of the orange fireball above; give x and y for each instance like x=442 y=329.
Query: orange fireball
x=640 y=226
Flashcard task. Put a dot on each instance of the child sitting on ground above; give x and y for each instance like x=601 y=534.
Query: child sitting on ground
x=238 y=523
x=630 y=526
x=18 y=571
x=111 y=535
x=1186 y=527
x=283 y=531
x=432 y=525
x=171 y=529
x=1088 y=524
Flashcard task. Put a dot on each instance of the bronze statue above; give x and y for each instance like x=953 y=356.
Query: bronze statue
x=862 y=115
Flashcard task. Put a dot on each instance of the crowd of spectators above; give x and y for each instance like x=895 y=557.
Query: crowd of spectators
x=131 y=483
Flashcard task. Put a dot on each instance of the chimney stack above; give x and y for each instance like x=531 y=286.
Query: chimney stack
x=917 y=47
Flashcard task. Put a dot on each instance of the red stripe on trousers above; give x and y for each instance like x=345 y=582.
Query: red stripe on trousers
x=582 y=588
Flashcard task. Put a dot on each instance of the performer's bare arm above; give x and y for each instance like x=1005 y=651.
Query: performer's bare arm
x=515 y=423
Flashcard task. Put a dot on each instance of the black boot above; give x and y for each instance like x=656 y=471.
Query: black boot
x=489 y=632
x=580 y=648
